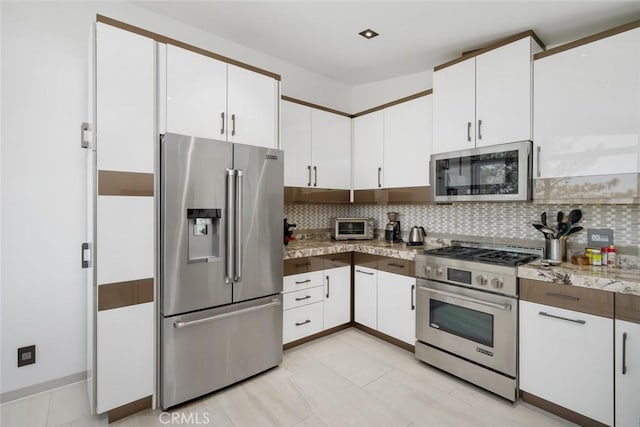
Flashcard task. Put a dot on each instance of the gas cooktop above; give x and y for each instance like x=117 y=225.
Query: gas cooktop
x=483 y=255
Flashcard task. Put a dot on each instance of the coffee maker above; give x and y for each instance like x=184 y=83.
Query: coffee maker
x=392 y=230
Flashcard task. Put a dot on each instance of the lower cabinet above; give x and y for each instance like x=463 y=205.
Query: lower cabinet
x=627 y=360
x=365 y=310
x=396 y=306
x=301 y=321
x=566 y=348
x=337 y=296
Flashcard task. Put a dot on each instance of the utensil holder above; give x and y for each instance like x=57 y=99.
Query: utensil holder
x=556 y=249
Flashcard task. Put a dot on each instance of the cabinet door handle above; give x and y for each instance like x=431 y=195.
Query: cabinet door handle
x=413 y=305
x=233 y=125
x=553 y=294
x=303 y=298
x=304 y=281
x=624 y=353
x=469 y=131
x=222 y=119
x=315 y=174
x=538 y=149
x=379 y=177
x=328 y=287
x=303 y=323
x=302 y=264
x=309 y=171
x=581 y=322
x=364 y=272
x=479 y=132
x=393 y=264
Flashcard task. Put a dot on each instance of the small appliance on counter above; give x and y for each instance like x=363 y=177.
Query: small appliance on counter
x=392 y=230
x=555 y=237
x=416 y=236
x=352 y=228
x=288 y=233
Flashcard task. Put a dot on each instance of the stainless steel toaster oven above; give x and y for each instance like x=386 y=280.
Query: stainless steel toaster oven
x=352 y=228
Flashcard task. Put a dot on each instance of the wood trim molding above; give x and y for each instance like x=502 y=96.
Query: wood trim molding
x=576 y=298
x=129 y=409
x=116 y=183
x=560 y=411
x=627 y=307
x=392 y=103
x=316 y=106
x=124 y=294
x=589 y=39
x=164 y=39
x=493 y=46
x=315 y=195
x=404 y=195
x=384 y=337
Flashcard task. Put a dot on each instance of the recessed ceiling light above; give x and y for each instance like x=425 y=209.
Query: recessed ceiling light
x=368 y=33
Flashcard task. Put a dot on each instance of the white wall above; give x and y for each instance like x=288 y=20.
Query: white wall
x=373 y=94
x=44 y=50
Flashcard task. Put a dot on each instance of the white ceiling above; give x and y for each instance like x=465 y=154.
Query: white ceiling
x=322 y=36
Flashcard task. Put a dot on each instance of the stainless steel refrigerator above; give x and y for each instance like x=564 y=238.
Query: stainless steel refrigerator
x=220 y=264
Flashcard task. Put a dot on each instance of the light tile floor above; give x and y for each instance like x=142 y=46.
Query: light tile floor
x=347 y=379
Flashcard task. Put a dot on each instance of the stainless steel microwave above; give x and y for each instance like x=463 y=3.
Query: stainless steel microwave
x=352 y=228
x=496 y=173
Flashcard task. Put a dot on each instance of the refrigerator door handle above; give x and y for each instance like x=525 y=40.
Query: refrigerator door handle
x=238 y=232
x=179 y=324
x=231 y=232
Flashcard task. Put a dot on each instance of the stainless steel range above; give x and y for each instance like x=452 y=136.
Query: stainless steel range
x=467 y=312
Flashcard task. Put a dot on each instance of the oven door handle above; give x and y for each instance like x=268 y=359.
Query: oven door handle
x=505 y=307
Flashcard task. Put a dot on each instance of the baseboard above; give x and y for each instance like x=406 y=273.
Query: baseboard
x=42 y=387
x=313 y=337
x=560 y=411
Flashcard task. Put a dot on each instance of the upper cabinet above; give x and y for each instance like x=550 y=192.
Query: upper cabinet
x=212 y=99
x=317 y=146
x=484 y=100
x=391 y=147
x=587 y=109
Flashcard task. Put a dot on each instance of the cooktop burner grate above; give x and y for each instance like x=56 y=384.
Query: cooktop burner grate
x=488 y=256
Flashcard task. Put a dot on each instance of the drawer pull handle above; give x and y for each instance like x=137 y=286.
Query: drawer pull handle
x=303 y=323
x=624 y=353
x=364 y=272
x=304 y=281
x=579 y=321
x=302 y=264
x=554 y=294
x=303 y=298
x=393 y=264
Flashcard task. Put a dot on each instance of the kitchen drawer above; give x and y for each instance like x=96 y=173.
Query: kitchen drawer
x=302 y=265
x=584 y=300
x=302 y=281
x=628 y=307
x=302 y=297
x=301 y=322
x=366 y=260
x=403 y=267
x=337 y=260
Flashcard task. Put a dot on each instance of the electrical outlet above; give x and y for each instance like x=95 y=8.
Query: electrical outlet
x=26 y=355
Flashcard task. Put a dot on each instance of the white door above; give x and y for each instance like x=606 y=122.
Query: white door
x=296 y=143
x=454 y=107
x=627 y=381
x=366 y=296
x=337 y=296
x=408 y=143
x=503 y=94
x=396 y=306
x=587 y=108
x=368 y=136
x=330 y=150
x=196 y=94
x=252 y=108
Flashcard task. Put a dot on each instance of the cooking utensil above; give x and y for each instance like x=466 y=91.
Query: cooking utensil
x=560 y=219
x=543 y=219
x=575 y=216
x=416 y=236
x=548 y=232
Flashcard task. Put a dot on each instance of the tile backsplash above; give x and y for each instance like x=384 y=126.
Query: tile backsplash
x=494 y=220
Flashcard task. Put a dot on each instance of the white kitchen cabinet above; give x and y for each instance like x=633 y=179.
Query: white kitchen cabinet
x=627 y=359
x=317 y=146
x=301 y=322
x=587 y=109
x=566 y=357
x=484 y=100
x=337 y=296
x=368 y=151
x=366 y=296
x=396 y=306
x=407 y=143
x=212 y=99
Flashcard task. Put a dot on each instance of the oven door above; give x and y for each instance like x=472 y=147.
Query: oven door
x=475 y=325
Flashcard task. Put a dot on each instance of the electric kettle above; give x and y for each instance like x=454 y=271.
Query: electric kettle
x=416 y=236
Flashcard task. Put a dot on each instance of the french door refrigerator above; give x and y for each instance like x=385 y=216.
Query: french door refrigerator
x=220 y=264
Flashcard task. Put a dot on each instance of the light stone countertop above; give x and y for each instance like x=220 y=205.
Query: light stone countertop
x=305 y=248
x=609 y=279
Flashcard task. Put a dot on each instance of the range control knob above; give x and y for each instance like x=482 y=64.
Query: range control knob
x=439 y=271
x=482 y=280
x=497 y=282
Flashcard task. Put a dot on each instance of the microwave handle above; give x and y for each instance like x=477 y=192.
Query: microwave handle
x=538 y=149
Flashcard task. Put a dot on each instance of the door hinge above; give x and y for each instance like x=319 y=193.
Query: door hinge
x=86 y=255
x=85 y=135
